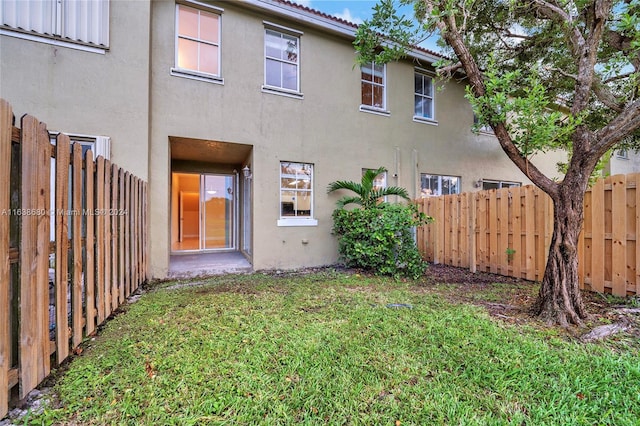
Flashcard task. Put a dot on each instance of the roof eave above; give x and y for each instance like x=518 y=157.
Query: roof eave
x=330 y=25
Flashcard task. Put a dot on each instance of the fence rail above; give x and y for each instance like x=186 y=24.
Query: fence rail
x=65 y=265
x=508 y=232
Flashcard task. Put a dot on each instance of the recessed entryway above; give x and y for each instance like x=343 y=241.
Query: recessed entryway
x=210 y=202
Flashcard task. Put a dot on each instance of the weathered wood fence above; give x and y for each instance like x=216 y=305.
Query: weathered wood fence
x=508 y=232
x=54 y=293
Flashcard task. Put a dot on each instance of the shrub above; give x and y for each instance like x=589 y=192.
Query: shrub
x=380 y=239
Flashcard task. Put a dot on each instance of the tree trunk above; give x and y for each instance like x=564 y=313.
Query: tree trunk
x=559 y=300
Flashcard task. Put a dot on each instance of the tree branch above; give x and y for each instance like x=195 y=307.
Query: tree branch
x=449 y=31
x=627 y=122
x=605 y=96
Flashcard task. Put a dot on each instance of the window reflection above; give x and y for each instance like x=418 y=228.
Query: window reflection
x=296 y=189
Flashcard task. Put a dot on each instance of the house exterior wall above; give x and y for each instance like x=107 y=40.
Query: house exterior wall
x=324 y=128
x=80 y=92
x=621 y=165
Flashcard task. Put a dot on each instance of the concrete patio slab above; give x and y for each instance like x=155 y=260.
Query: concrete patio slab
x=205 y=264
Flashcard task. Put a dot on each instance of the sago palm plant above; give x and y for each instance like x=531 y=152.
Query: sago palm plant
x=366 y=195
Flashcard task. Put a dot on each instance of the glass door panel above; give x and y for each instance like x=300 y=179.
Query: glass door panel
x=217 y=197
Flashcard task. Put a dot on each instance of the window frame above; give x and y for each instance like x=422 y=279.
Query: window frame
x=425 y=74
x=288 y=32
x=371 y=108
x=197 y=74
x=622 y=154
x=458 y=185
x=485 y=129
x=296 y=220
x=59 y=22
x=501 y=184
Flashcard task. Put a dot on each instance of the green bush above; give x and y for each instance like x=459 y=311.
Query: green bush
x=380 y=239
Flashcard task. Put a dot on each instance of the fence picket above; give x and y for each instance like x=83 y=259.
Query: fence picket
x=106 y=220
x=90 y=250
x=63 y=150
x=76 y=234
x=516 y=230
x=115 y=232
x=100 y=237
x=597 y=236
x=619 y=234
x=6 y=127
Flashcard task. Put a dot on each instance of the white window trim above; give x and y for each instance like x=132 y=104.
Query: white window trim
x=299 y=220
x=282 y=92
x=622 y=154
x=425 y=121
x=370 y=108
x=440 y=186
x=374 y=110
x=52 y=41
x=102 y=143
x=501 y=183
x=418 y=118
x=276 y=90
x=282 y=29
x=195 y=74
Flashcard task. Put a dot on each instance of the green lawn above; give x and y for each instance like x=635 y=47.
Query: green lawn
x=326 y=349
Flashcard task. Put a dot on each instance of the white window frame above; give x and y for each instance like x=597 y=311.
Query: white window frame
x=484 y=128
x=59 y=15
x=424 y=194
x=501 y=184
x=196 y=74
x=296 y=220
x=379 y=181
x=622 y=154
x=424 y=74
x=99 y=145
x=289 y=32
x=370 y=108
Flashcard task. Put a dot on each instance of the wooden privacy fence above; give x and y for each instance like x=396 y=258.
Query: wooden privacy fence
x=508 y=232
x=65 y=265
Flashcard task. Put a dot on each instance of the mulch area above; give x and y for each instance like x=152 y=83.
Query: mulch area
x=512 y=302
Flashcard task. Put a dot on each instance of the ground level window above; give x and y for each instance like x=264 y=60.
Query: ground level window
x=432 y=185
x=498 y=184
x=296 y=190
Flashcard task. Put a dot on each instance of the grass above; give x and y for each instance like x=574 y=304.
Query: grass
x=326 y=349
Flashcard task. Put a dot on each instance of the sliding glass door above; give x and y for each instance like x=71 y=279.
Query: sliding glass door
x=204 y=212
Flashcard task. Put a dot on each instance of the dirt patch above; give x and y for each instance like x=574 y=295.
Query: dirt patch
x=510 y=299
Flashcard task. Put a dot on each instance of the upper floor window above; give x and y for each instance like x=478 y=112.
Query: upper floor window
x=484 y=128
x=197 y=41
x=281 y=60
x=373 y=81
x=438 y=185
x=622 y=154
x=498 y=184
x=423 y=96
x=296 y=194
x=70 y=23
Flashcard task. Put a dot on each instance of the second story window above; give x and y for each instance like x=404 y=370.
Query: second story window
x=423 y=96
x=281 y=60
x=373 y=86
x=70 y=23
x=197 y=41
